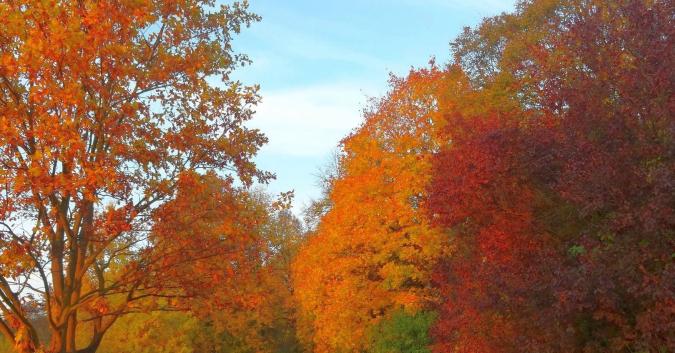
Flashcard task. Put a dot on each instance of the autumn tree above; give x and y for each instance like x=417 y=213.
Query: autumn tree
x=609 y=79
x=261 y=319
x=271 y=324
x=496 y=287
x=374 y=248
x=119 y=156
x=561 y=207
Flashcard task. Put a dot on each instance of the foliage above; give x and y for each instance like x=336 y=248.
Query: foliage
x=561 y=208
x=519 y=199
x=108 y=126
x=265 y=326
x=538 y=166
x=170 y=332
x=374 y=249
x=402 y=332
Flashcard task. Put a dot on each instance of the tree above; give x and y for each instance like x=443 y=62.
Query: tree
x=374 y=249
x=402 y=332
x=171 y=332
x=108 y=125
x=610 y=82
x=326 y=177
x=496 y=287
x=562 y=206
x=263 y=322
x=274 y=322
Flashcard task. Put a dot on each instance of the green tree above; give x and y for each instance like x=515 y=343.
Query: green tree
x=403 y=332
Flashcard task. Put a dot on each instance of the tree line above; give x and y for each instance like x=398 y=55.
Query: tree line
x=518 y=198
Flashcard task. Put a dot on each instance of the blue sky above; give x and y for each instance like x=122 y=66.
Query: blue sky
x=317 y=62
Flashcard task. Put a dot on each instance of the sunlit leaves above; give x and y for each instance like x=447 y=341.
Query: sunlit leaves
x=111 y=115
x=374 y=249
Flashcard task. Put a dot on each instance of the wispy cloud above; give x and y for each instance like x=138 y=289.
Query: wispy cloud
x=289 y=42
x=318 y=62
x=310 y=120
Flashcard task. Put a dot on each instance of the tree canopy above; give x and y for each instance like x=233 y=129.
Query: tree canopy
x=518 y=198
x=119 y=159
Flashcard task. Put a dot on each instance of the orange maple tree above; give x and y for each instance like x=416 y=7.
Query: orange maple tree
x=374 y=248
x=113 y=140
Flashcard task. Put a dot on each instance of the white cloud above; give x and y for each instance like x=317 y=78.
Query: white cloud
x=310 y=120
